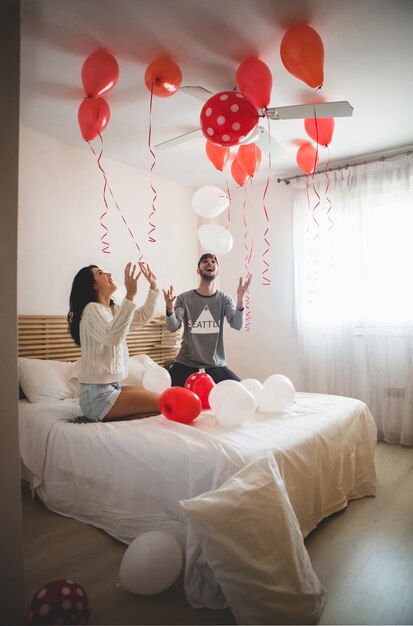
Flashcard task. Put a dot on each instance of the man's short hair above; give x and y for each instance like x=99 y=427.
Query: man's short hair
x=207 y=255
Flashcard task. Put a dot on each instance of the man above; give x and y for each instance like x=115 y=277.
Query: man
x=202 y=312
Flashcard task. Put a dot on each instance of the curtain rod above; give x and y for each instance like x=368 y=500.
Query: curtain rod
x=346 y=166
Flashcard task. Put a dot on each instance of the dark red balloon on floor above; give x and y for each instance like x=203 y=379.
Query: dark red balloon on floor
x=59 y=602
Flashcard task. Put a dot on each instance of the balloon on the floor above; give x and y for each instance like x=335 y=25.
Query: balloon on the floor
x=151 y=563
x=59 y=602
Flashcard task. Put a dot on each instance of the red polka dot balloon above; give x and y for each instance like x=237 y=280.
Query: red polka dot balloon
x=192 y=378
x=202 y=387
x=59 y=602
x=228 y=118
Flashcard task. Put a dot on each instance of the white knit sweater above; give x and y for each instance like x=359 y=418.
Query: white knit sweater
x=103 y=332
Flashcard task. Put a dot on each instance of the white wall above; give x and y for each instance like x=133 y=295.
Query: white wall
x=60 y=203
x=61 y=200
x=270 y=347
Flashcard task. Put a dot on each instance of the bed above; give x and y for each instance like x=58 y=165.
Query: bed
x=214 y=488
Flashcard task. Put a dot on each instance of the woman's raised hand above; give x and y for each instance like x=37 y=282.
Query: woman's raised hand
x=149 y=275
x=131 y=281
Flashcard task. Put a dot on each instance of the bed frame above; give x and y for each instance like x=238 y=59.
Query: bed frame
x=47 y=337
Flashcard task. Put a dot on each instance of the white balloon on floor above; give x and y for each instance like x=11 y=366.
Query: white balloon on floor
x=253 y=385
x=151 y=563
x=156 y=378
x=215 y=238
x=209 y=201
x=277 y=394
x=233 y=404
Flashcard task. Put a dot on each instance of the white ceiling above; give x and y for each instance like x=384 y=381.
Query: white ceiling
x=368 y=61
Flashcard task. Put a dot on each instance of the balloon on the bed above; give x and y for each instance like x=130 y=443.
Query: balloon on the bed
x=180 y=405
x=151 y=563
x=254 y=386
x=192 y=378
x=202 y=388
x=156 y=378
x=277 y=394
x=232 y=403
x=219 y=389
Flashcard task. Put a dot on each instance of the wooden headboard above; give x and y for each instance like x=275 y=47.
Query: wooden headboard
x=47 y=337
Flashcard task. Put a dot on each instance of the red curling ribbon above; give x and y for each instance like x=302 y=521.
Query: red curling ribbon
x=313 y=229
x=330 y=204
x=105 y=248
x=329 y=212
x=315 y=207
x=152 y=226
x=265 y=279
x=310 y=257
x=107 y=186
x=247 y=261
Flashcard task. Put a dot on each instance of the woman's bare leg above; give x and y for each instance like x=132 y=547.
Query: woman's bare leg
x=134 y=403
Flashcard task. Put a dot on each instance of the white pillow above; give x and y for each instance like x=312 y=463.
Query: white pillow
x=138 y=365
x=74 y=379
x=251 y=539
x=43 y=380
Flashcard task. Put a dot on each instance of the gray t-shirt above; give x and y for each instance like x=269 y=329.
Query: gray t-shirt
x=203 y=320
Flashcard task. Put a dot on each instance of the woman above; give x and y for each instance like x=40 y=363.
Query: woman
x=100 y=327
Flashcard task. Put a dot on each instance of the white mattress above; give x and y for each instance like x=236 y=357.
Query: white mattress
x=128 y=477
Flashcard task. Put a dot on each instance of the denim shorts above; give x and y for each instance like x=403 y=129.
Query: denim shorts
x=97 y=400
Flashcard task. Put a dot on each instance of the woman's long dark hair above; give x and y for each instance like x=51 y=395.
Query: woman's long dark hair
x=83 y=292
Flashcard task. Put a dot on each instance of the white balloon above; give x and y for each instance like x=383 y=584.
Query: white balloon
x=215 y=238
x=219 y=391
x=234 y=404
x=209 y=201
x=151 y=563
x=254 y=386
x=277 y=394
x=157 y=379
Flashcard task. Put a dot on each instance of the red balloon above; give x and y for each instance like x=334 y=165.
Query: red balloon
x=59 y=602
x=192 y=378
x=202 y=387
x=249 y=157
x=218 y=155
x=228 y=118
x=163 y=77
x=93 y=117
x=238 y=173
x=254 y=80
x=320 y=129
x=302 y=53
x=100 y=72
x=180 y=405
x=307 y=158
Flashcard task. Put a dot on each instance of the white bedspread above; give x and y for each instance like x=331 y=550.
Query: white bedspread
x=128 y=477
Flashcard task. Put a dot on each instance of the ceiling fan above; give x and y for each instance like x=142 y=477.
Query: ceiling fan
x=261 y=136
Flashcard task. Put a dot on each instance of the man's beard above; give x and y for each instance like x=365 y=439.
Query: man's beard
x=208 y=277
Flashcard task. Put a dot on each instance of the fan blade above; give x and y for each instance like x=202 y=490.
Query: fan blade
x=170 y=143
x=269 y=146
x=303 y=111
x=197 y=92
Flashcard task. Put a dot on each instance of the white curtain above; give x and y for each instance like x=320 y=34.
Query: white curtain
x=353 y=272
